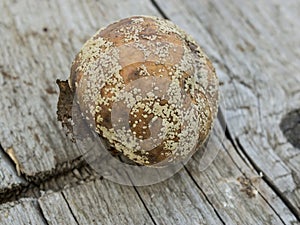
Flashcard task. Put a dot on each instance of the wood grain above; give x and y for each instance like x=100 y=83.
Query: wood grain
x=178 y=201
x=254 y=46
x=8 y=175
x=95 y=202
x=26 y=211
x=237 y=192
x=39 y=42
x=256 y=49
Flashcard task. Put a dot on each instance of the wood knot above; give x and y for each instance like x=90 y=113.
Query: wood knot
x=290 y=126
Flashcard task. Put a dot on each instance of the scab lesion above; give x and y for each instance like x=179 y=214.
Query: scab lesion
x=64 y=107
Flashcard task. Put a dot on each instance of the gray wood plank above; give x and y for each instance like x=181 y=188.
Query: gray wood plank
x=217 y=193
x=9 y=178
x=38 y=142
x=255 y=46
x=229 y=186
x=175 y=201
x=22 y=212
x=178 y=201
x=259 y=186
x=96 y=202
x=225 y=183
x=56 y=210
x=39 y=40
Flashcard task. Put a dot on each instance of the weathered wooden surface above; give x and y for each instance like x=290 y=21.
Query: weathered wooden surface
x=26 y=211
x=95 y=202
x=255 y=47
x=8 y=176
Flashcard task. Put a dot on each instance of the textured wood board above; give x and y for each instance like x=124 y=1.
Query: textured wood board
x=9 y=178
x=56 y=209
x=237 y=192
x=214 y=196
x=95 y=202
x=255 y=46
x=39 y=41
x=25 y=211
x=178 y=201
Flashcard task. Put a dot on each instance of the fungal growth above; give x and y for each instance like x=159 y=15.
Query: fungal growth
x=145 y=88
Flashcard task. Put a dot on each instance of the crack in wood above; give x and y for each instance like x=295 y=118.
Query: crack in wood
x=35 y=186
x=145 y=205
x=69 y=207
x=161 y=12
x=42 y=213
x=228 y=136
x=57 y=182
x=237 y=145
x=20 y=182
x=164 y=15
x=270 y=183
x=7 y=156
x=206 y=197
